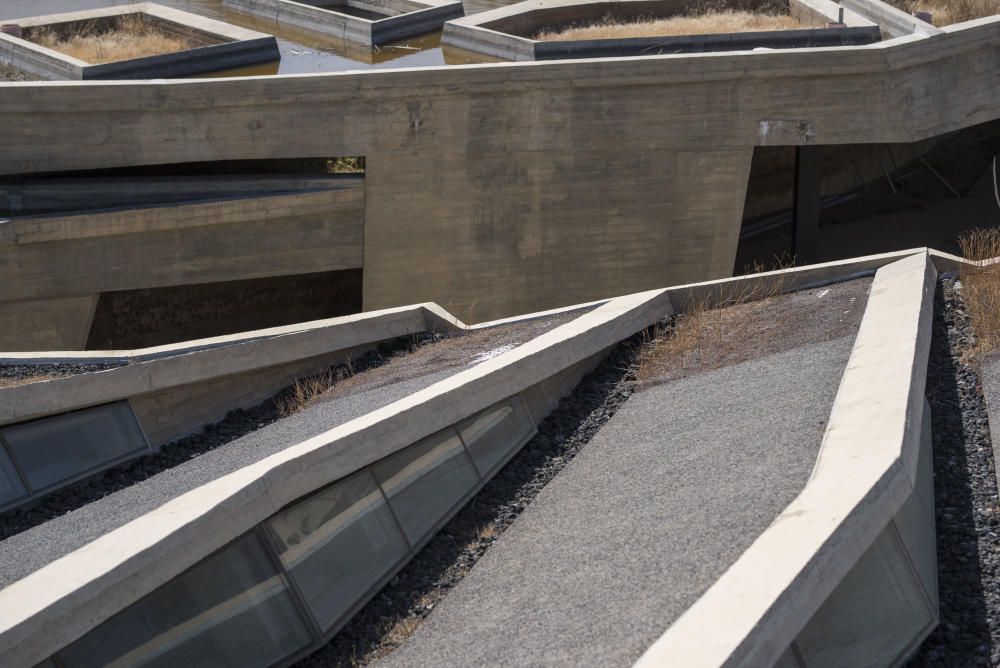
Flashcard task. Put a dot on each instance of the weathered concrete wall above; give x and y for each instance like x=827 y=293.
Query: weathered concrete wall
x=152 y=317
x=504 y=188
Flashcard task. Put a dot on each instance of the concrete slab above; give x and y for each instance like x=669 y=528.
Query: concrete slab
x=644 y=519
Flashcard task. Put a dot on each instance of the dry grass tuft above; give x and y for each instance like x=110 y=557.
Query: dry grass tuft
x=706 y=22
x=711 y=327
x=946 y=12
x=305 y=390
x=347 y=165
x=982 y=287
x=101 y=42
x=13 y=382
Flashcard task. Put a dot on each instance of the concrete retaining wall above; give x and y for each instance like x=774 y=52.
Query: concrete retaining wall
x=846 y=575
x=508 y=32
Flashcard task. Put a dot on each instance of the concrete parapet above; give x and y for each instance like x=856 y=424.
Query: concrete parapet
x=371 y=22
x=221 y=46
x=508 y=32
x=864 y=519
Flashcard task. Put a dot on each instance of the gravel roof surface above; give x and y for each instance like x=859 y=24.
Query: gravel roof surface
x=27 y=551
x=662 y=500
x=989 y=376
x=22 y=374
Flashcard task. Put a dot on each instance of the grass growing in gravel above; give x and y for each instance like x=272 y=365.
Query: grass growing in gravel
x=99 y=42
x=946 y=12
x=982 y=287
x=710 y=330
x=699 y=22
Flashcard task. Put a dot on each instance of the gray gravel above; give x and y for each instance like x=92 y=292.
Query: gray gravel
x=966 y=506
x=25 y=552
x=663 y=499
x=19 y=374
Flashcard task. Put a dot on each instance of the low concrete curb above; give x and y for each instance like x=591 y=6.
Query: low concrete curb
x=866 y=471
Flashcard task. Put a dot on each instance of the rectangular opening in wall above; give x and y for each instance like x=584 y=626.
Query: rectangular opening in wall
x=157 y=316
x=232 y=609
x=53 y=451
x=873 y=198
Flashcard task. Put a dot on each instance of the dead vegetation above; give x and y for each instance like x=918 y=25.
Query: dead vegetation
x=702 y=21
x=746 y=321
x=946 y=12
x=98 y=42
x=981 y=289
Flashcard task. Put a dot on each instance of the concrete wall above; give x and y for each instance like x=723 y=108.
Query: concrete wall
x=503 y=188
x=54 y=267
x=846 y=575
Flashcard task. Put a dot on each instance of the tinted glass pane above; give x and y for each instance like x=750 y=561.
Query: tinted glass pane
x=232 y=609
x=10 y=484
x=493 y=435
x=424 y=481
x=55 y=449
x=337 y=544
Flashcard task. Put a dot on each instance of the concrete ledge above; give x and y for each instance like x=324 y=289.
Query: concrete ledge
x=152 y=370
x=389 y=20
x=348 y=196
x=866 y=474
x=893 y=22
x=63 y=600
x=507 y=32
x=221 y=46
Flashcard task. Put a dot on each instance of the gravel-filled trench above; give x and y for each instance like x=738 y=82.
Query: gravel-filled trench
x=395 y=612
x=965 y=496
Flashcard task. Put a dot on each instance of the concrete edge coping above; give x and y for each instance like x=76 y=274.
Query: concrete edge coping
x=321 y=11
x=864 y=472
x=890 y=16
x=125 y=355
x=200 y=361
x=63 y=600
x=656 y=73
x=479 y=32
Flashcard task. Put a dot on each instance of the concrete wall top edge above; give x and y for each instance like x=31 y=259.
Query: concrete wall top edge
x=629 y=70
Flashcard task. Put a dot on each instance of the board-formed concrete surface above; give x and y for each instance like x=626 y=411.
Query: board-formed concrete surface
x=648 y=515
x=535 y=173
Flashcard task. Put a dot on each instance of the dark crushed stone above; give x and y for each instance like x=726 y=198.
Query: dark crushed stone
x=965 y=495
x=236 y=424
x=19 y=374
x=389 y=618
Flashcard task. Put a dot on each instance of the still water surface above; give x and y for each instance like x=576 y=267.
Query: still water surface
x=301 y=51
